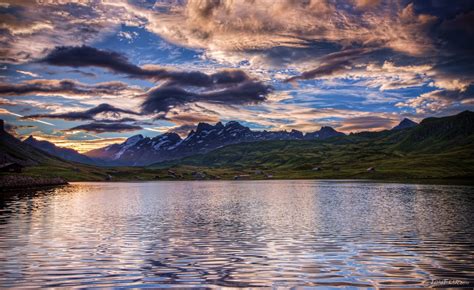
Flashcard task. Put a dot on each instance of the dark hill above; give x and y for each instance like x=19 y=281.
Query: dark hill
x=64 y=153
x=404 y=124
x=42 y=164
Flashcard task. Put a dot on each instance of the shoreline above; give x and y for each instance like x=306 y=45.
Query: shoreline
x=15 y=182
x=460 y=182
x=19 y=182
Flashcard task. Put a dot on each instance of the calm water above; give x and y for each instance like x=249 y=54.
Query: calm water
x=241 y=233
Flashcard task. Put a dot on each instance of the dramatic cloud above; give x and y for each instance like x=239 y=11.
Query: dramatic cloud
x=97 y=127
x=87 y=114
x=440 y=100
x=85 y=56
x=369 y=123
x=65 y=88
x=251 y=25
x=388 y=75
x=32 y=29
x=29 y=29
x=164 y=98
x=332 y=63
x=455 y=73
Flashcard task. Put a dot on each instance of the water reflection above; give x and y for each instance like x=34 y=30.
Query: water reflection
x=237 y=234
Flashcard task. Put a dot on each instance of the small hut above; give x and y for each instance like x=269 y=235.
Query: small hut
x=371 y=169
x=317 y=169
x=11 y=167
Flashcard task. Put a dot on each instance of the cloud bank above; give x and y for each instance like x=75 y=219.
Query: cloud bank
x=97 y=127
x=85 y=56
x=65 y=88
x=89 y=114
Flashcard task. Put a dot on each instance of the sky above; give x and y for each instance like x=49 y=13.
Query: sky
x=86 y=74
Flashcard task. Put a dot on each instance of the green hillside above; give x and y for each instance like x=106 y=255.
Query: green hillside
x=438 y=148
x=41 y=164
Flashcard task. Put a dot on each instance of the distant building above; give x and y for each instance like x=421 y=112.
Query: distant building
x=371 y=169
x=317 y=169
x=11 y=167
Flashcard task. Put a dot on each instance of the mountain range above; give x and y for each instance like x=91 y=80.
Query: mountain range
x=435 y=148
x=141 y=151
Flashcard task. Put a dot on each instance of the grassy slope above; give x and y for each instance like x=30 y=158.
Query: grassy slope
x=295 y=159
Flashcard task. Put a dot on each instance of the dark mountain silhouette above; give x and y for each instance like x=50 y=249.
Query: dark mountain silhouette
x=64 y=153
x=39 y=163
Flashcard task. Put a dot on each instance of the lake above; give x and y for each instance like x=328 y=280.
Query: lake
x=238 y=233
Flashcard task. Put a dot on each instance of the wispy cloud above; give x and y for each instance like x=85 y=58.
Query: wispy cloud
x=5 y=111
x=66 y=88
x=28 y=73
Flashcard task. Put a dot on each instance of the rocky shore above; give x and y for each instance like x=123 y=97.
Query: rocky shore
x=20 y=181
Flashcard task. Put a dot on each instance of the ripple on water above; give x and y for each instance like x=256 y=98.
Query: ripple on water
x=280 y=233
